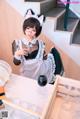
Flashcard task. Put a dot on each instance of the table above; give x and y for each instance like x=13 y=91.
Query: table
x=24 y=95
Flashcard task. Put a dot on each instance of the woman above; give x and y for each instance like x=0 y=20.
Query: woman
x=30 y=51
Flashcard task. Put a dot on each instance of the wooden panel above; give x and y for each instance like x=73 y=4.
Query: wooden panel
x=66 y=103
x=10 y=23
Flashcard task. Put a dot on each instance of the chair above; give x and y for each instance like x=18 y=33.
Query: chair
x=59 y=70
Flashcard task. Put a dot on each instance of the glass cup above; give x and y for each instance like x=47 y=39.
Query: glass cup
x=5 y=72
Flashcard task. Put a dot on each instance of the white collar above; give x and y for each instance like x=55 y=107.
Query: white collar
x=27 y=42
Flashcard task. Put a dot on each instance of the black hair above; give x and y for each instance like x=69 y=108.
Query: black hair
x=32 y=22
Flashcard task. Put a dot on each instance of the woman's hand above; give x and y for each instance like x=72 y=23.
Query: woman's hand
x=33 y=48
x=22 y=52
x=44 y=56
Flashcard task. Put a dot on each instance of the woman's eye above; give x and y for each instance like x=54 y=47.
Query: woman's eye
x=28 y=28
x=34 y=30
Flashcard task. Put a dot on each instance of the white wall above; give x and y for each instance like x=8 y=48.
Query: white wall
x=22 y=6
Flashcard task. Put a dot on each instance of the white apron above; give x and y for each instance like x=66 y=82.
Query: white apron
x=33 y=68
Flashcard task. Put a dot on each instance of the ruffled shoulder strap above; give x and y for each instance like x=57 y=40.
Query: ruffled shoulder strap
x=41 y=50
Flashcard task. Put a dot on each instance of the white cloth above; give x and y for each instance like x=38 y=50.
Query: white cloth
x=5 y=72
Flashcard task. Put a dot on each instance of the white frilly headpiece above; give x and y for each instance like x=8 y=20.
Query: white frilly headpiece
x=30 y=13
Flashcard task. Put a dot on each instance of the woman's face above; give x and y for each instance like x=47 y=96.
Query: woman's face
x=30 y=33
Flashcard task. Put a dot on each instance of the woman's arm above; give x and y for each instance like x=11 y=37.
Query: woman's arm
x=16 y=59
x=18 y=52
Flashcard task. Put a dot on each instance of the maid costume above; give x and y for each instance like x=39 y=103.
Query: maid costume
x=34 y=64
